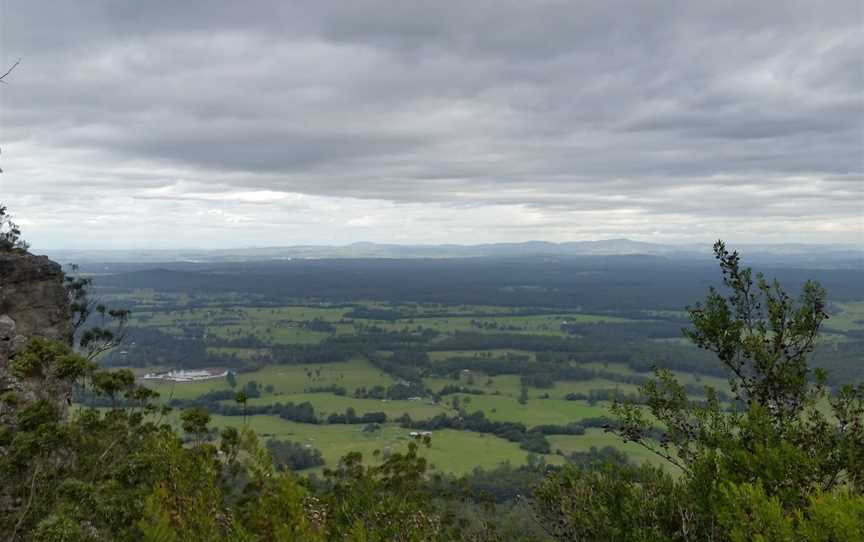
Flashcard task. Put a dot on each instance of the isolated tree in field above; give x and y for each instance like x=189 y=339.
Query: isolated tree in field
x=242 y=399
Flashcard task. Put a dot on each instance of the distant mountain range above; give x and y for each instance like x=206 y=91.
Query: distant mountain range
x=800 y=254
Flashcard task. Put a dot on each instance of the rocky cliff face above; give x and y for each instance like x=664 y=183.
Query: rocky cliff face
x=33 y=303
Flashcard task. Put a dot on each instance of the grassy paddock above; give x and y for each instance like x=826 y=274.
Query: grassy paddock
x=597 y=438
x=327 y=403
x=534 y=325
x=495 y=353
x=451 y=451
x=510 y=386
x=850 y=318
x=285 y=379
x=535 y=412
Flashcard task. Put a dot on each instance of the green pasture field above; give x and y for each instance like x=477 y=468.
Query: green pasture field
x=283 y=325
x=498 y=353
x=277 y=325
x=535 y=325
x=676 y=341
x=451 y=451
x=565 y=387
x=285 y=379
x=420 y=310
x=327 y=403
x=272 y=334
x=498 y=383
x=850 y=318
x=717 y=382
x=157 y=300
x=253 y=315
x=290 y=383
x=665 y=313
x=509 y=385
x=597 y=438
x=242 y=353
x=534 y=412
x=621 y=368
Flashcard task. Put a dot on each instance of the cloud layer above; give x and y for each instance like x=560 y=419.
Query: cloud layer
x=170 y=124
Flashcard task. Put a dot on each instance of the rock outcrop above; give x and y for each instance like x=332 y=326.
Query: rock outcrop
x=33 y=303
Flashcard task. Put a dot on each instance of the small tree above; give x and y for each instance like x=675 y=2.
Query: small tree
x=194 y=422
x=10 y=233
x=242 y=399
x=762 y=336
x=110 y=328
x=776 y=433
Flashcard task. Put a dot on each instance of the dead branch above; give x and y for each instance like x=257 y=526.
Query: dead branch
x=3 y=77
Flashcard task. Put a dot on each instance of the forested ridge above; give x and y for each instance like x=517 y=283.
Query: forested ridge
x=593 y=283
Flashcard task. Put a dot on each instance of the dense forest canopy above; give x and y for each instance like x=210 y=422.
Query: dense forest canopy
x=592 y=283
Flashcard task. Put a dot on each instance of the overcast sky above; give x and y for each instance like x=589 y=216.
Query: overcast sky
x=167 y=124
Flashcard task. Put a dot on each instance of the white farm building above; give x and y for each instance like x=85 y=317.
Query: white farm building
x=181 y=375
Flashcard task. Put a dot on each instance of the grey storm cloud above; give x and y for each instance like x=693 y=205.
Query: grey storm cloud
x=657 y=111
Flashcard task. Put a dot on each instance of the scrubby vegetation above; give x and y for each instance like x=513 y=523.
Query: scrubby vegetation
x=10 y=233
